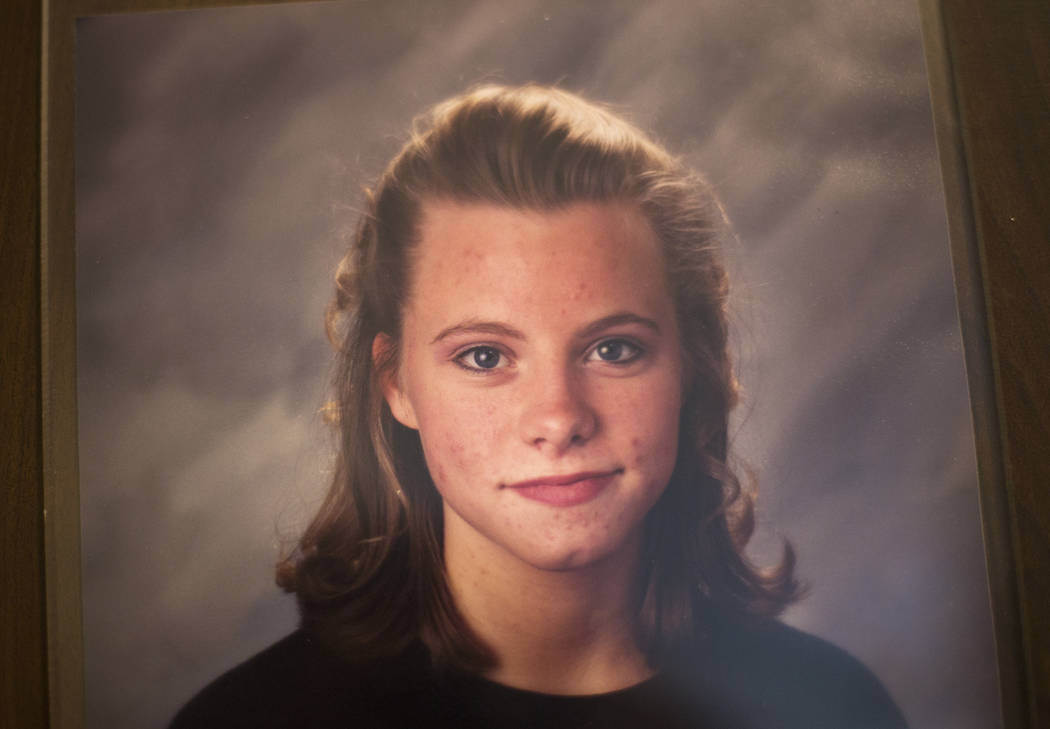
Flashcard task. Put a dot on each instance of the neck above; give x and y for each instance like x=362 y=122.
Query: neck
x=553 y=631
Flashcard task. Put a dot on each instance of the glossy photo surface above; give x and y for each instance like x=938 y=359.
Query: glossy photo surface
x=220 y=160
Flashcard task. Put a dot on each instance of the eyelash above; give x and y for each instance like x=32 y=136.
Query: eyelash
x=460 y=359
x=635 y=351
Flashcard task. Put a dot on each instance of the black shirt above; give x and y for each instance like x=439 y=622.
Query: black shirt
x=742 y=674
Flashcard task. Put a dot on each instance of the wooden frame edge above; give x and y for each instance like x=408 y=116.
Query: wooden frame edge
x=61 y=492
x=968 y=271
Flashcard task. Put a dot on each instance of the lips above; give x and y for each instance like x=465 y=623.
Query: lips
x=566 y=490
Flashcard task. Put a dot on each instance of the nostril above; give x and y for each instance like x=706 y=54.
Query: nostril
x=558 y=420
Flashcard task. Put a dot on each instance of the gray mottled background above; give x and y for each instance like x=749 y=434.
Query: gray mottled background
x=220 y=155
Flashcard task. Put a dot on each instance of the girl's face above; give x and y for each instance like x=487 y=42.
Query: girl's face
x=541 y=364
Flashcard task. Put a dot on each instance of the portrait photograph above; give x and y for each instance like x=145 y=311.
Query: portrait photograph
x=226 y=161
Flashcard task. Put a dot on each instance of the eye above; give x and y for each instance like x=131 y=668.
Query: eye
x=615 y=351
x=480 y=359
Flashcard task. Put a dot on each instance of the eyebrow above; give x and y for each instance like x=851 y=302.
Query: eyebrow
x=475 y=326
x=615 y=320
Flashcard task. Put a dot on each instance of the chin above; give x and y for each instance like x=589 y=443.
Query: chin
x=567 y=557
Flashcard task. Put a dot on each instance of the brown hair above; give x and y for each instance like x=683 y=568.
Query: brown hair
x=369 y=570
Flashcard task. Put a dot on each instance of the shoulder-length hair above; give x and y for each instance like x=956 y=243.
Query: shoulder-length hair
x=369 y=571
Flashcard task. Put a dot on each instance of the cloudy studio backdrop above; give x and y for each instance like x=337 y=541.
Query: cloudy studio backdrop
x=220 y=157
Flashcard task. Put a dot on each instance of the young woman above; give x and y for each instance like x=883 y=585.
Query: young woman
x=533 y=522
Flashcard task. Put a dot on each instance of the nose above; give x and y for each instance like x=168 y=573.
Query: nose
x=557 y=414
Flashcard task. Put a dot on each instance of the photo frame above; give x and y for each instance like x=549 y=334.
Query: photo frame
x=60 y=464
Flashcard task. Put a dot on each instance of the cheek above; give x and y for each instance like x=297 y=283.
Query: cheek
x=446 y=454
x=653 y=435
x=458 y=444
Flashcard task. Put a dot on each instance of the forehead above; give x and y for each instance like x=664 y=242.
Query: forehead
x=472 y=244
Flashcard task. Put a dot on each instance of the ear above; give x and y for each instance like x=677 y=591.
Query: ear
x=390 y=382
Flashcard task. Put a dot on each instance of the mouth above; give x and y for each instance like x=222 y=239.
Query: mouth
x=566 y=490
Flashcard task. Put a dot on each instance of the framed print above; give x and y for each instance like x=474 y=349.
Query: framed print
x=219 y=157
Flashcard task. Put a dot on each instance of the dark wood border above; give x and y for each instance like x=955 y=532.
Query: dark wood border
x=991 y=59
x=23 y=668
x=984 y=78
x=998 y=57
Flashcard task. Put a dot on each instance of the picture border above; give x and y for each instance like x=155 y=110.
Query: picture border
x=973 y=317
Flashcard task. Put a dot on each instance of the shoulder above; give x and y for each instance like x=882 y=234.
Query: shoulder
x=298 y=682
x=770 y=674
